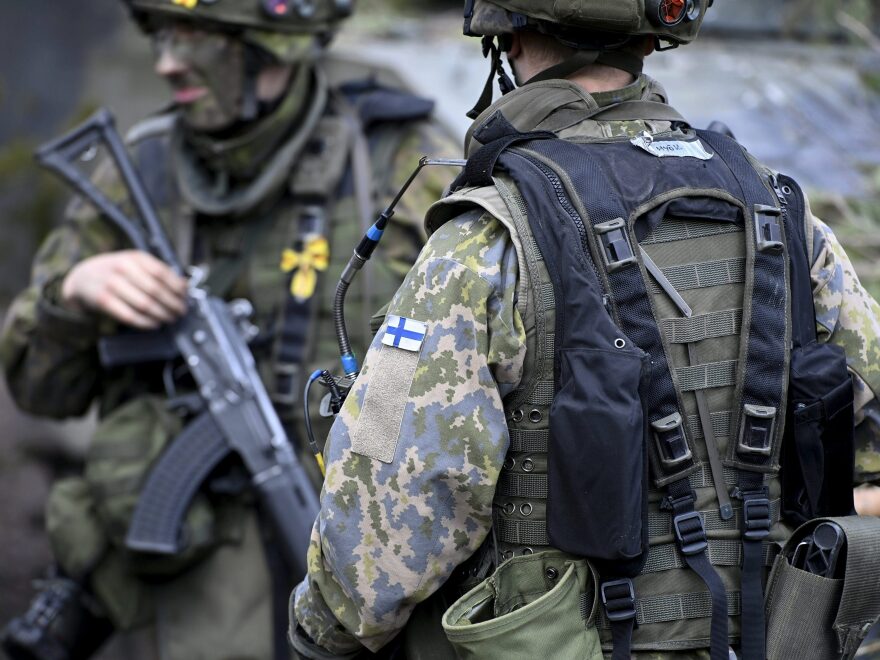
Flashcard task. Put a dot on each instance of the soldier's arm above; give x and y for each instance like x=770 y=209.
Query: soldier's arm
x=390 y=533
x=48 y=349
x=848 y=316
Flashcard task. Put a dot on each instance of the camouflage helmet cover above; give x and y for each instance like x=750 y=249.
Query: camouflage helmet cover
x=675 y=21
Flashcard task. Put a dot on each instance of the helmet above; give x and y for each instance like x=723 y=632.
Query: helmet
x=276 y=26
x=673 y=21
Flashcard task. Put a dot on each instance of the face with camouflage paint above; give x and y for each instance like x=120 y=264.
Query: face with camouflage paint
x=206 y=72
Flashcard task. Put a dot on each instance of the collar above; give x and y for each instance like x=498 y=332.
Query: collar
x=559 y=104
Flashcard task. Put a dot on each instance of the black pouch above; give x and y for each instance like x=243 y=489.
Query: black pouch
x=818 y=456
x=818 y=452
x=597 y=472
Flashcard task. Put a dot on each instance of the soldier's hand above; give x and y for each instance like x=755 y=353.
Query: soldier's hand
x=131 y=286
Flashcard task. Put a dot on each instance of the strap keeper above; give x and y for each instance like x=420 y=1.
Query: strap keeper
x=756 y=430
x=768 y=230
x=671 y=443
x=617 y=252
x=619 y=599
x=690 y=533
x=756 y=518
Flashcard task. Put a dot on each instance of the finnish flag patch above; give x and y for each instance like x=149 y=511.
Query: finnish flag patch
x=404 y=333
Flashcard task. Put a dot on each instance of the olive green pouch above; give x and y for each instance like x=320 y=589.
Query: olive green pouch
x=811 y=616
x=534 y=606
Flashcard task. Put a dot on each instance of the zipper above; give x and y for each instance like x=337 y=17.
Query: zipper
x=572 y=213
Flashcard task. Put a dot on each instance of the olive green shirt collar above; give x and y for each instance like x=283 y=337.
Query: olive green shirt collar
x=555 y=105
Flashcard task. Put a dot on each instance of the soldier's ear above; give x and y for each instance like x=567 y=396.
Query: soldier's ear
x=514 y=45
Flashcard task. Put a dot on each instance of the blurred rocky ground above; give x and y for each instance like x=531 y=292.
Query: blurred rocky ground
x=798 y=81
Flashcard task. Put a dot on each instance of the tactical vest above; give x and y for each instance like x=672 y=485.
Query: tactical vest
x=669 y=321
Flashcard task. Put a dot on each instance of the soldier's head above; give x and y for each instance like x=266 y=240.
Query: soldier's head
x=227 y=61
x=557 y=39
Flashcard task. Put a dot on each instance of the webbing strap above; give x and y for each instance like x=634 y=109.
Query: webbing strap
x=532 y=486
x=619 y=600
x=722 y=552
x=707 y=376
x=756 y=528
x=688 y=330
x=528 y=440
x=660 y=523
x=621 y=639
x=671 y=230
x=721 y=428
x=663 y=608
x=705 y=275
x=690 y=535
x=767 y=326
x=522 y=532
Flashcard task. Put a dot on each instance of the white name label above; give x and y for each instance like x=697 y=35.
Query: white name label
x=672 y=148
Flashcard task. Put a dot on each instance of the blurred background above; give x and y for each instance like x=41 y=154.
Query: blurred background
x=798 y=82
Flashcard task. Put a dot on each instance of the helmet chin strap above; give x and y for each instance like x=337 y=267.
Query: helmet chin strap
x=492 y=50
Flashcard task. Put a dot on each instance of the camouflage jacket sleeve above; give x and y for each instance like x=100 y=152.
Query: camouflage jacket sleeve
x=48 y=351
x=390 y=534
x=848 y=316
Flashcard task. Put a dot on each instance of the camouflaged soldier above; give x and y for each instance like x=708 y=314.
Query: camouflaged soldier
x=611 y=347
x=272 y=159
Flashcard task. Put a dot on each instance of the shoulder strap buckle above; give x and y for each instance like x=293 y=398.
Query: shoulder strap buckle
x=671 y=443
x=690 y=533
x=619 y=599
x=617 y=252
x=768 y=232
x=756 y=516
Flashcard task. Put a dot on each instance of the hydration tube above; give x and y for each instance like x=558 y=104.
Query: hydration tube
x=339 y=388
x=362 y=254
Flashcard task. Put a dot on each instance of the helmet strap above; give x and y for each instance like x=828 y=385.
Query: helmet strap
x=250 y=104
x=492 y=50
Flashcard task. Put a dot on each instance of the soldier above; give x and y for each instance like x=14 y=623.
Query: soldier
x=593 y=357
x=271 y=161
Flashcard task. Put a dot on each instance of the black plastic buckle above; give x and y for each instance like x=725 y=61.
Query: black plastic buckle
x=690 y=533
x=756 y=518
x=768 y=229
x=671 y=443
x=616 y=250
x=619 y=599
x=756 y=429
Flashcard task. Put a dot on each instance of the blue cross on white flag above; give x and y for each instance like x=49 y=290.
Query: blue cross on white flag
x=404 y=333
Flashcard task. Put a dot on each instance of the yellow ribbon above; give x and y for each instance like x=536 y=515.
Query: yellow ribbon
x=188 y=4
x=314 y=257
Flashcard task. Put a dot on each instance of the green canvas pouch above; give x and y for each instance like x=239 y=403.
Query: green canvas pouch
x=813 y=616
x=533 y=606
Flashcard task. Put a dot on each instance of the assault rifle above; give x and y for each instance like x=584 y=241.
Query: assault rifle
x=236 y=412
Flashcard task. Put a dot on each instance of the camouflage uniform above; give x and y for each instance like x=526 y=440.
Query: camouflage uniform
x=390 y=534
x=215 y=600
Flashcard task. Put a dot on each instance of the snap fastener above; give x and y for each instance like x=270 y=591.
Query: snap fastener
x=509 y=508
x=517 y=415
x=619 y=343
x=551 y=573
x=535 y=416
x=509 y=463
x=525 y=509
x=507 y=554
x=527 y=551
x=528 y=465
